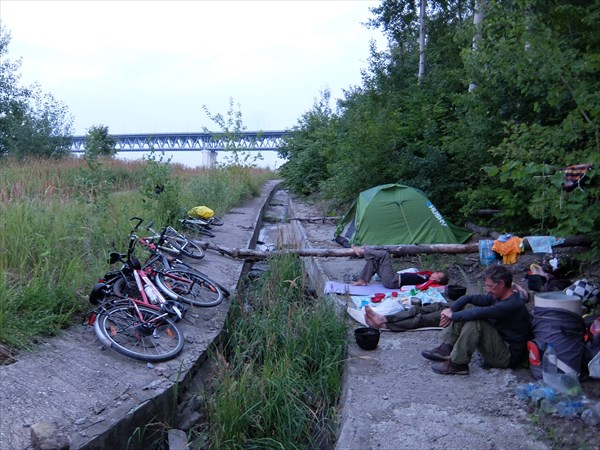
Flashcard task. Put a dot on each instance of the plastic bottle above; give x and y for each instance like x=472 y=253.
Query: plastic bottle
x=541 y=393
x=152 y=297
x=548 y=405
x=549 y=366
x=591 y=415
x=523 y=391
x=570 y=407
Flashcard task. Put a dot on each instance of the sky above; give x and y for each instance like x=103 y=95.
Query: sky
x=150 y=66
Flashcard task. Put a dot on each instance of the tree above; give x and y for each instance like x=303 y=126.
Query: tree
x=31 y=123
x=232 y=128
x=99 y=143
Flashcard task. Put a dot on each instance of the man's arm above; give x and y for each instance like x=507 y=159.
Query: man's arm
x=498 y=310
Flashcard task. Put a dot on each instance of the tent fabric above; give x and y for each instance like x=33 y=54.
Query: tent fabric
x=395 y=214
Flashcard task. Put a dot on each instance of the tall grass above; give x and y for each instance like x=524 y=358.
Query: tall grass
x=280 y=373
x=60 y=219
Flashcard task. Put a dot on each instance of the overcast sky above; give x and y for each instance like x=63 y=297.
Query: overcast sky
x=149 y=66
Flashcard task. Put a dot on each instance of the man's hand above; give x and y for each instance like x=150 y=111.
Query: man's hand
x=446 y=317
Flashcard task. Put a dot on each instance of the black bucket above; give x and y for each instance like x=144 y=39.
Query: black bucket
x=454 y=291
x=367 y=338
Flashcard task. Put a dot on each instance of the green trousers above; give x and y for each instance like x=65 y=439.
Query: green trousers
x=466 y=337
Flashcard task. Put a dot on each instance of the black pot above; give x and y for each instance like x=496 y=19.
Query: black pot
x=454 y=291
x=367 y=338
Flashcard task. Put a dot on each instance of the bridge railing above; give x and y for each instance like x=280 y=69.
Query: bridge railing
x=248 y=140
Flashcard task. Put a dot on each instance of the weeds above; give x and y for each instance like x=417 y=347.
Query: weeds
x=280 y=373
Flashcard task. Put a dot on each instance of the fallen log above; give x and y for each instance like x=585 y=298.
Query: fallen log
x=413 y=249
x=254 y=255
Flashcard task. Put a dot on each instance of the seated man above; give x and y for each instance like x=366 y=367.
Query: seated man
x=379 y=262
x=496 y=323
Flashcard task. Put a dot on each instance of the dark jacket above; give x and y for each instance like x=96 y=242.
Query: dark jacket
x=509 y=317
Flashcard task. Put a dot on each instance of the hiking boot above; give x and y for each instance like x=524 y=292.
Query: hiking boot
x=440 y=353
x=449 y=368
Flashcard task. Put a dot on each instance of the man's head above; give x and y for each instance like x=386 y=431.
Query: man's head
x=439 y=278
x=498 y=281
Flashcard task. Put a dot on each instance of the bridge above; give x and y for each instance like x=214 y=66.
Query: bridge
x=246 y=140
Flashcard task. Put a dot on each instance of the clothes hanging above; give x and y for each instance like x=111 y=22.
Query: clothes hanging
x=509 y=250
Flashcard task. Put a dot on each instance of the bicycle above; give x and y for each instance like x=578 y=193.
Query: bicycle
x=136 y=331
x=125 y=321
x=181 y=281
x=174 y=242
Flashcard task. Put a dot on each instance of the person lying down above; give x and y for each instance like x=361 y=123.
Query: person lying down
x=379 y=262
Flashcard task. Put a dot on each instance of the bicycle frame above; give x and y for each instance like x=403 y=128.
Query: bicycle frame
x=170 y=262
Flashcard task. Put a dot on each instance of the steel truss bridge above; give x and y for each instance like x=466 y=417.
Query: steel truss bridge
x=247 y=140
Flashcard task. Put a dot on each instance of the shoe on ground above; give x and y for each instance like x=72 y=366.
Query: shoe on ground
x=449 y=368
x=440 y=353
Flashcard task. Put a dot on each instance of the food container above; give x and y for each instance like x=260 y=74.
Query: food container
x=558 y=300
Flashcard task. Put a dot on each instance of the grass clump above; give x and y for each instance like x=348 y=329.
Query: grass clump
x=280 y=372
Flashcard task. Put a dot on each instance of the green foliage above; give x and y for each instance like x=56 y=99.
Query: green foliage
x=233 y=127
x=161 y=191
x=31 y=123
x=281 y=372
x=535 y=110
x=99 y=143
x=305 y=148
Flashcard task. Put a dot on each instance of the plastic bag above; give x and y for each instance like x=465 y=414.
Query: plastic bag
x=204 y=212
x=594 y=366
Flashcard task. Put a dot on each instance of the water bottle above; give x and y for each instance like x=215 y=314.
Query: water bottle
x=591 y=415
x=549 y=366
x=570 y=407
x=152 y=297
x=542 y=393
x=548 y=405
x=523 y=391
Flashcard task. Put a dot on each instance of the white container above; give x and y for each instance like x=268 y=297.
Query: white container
x=558 y=300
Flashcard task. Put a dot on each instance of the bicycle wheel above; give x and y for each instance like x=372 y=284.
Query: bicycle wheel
x=153 y=337
x=198 y=228
x=187 y=247
x=217 y=221
x=126 y=287
x=190 y=287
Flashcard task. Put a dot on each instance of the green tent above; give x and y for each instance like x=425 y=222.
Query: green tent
x=393 y=214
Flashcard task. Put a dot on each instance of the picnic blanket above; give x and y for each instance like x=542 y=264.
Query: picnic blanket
x=392 y=305
x=337 y=287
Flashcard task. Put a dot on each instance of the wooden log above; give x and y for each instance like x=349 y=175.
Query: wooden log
x=416 y=249
x=251 y=254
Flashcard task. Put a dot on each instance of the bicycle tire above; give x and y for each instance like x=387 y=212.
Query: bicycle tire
x=198 y=228
x=194 y=289
x=126 y=287
x=216 y=221
x=187 y=247
x=154 y=339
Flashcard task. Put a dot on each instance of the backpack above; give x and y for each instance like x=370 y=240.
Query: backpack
x=566 y=330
